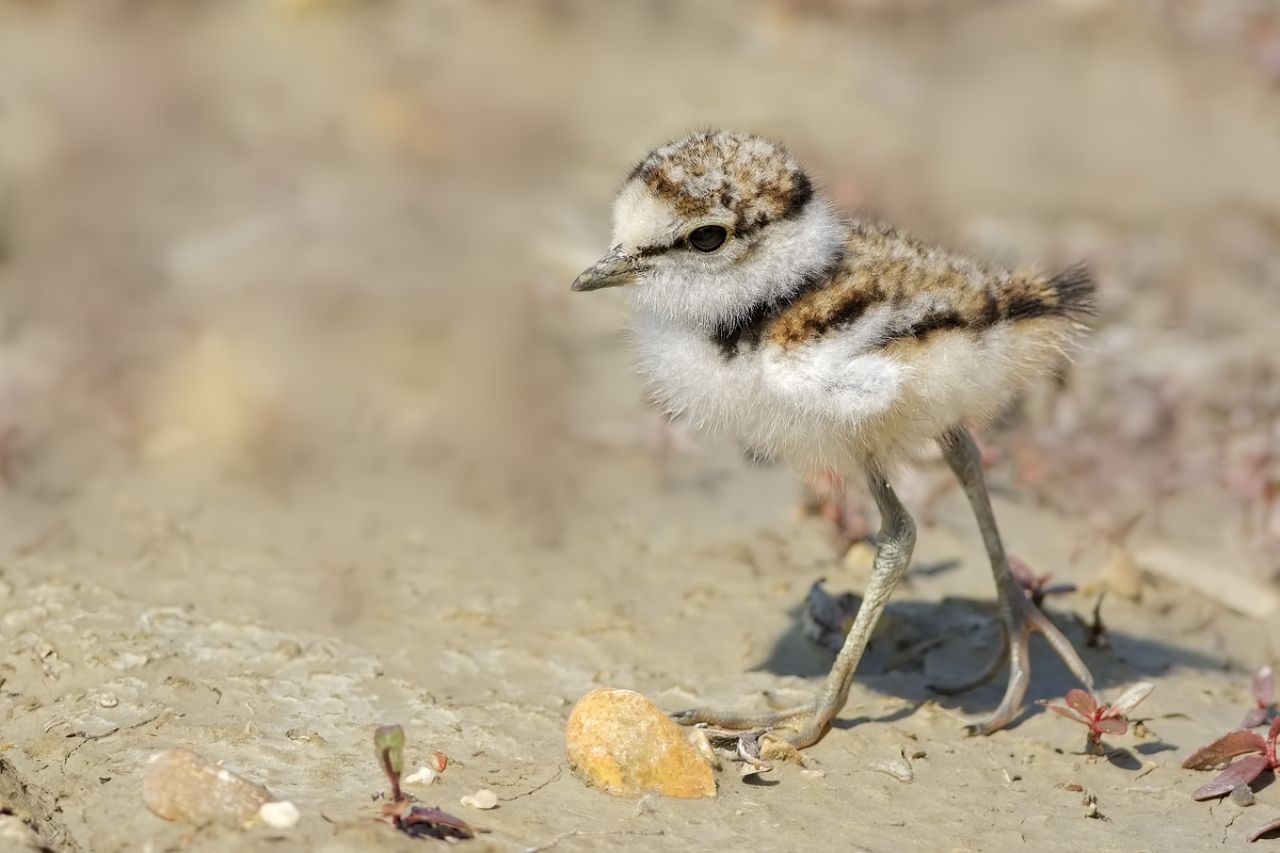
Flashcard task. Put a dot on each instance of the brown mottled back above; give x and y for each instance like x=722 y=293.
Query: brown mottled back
x=930 y=289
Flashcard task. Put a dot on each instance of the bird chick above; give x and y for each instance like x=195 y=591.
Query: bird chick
x=836 y=345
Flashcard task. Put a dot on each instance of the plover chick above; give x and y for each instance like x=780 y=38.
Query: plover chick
x=836 y=345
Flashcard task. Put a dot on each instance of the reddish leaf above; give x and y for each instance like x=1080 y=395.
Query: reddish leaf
x=423 y=820
x=1264 y=686
x=1068 y=713
x=1083 y=702
x=1254 y=718
x=1263 y=830
x=1112 y=726
x=1224 y=749
x=1241 y=772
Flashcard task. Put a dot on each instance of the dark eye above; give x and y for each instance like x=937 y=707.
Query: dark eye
x=708 y=238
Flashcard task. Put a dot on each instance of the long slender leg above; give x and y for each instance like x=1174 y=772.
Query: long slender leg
x=1020 y=618
x=805 y=725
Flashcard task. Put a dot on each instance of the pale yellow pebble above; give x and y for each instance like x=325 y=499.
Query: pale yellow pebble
x=618 y=741
x=860 y=557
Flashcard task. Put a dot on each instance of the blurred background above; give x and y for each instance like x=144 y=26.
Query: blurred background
x=281 y=241
x=286 y=335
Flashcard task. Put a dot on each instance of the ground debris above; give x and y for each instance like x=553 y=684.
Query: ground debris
x=181 y=786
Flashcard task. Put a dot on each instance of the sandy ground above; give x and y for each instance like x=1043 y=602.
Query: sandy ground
x=301 y=433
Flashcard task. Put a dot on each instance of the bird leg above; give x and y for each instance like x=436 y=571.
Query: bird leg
x=804 y=725
x=1019 y=617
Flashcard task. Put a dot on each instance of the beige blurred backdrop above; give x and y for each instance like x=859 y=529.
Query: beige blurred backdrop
x=270 y=240
x=296 y=406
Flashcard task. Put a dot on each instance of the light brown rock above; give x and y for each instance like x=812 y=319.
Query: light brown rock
x=618 y=741
x=179 y=785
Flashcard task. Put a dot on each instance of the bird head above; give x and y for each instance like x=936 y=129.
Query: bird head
x=707 y=228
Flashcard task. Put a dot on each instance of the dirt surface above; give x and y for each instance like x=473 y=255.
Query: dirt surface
x=302 y=433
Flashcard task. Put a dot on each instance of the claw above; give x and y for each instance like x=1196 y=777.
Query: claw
x=1023 y=619
x=796 y=726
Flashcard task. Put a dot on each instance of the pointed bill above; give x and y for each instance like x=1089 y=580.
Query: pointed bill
x=613 y=270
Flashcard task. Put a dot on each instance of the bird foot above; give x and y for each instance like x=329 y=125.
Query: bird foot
x=1021 y=620
x=797 y=727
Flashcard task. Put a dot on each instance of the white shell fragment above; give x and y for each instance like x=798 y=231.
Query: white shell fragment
x=482 y=799
x=899 y=770
x=180 y=785
x=281 y=814
x=421 y=776
x=702 y=743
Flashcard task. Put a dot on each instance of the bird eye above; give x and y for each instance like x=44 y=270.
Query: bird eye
x=708 y=238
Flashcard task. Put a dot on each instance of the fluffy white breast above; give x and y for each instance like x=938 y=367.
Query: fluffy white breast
x=815 y=407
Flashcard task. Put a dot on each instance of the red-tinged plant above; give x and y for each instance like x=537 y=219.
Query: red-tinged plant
x=1260 y=755
x=1037 y=587
x=1084 y=708
x=417 y=821
x=1264 y=830
x=1264 y=693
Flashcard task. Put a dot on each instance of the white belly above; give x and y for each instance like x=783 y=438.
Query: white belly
x=730 y=395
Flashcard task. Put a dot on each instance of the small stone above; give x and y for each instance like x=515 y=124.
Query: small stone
x=618 y=741
x=107 y=700
x=702 y=743
x=1242 y=795
x=860 y=557
x=482 y=799
x=279 y=815
x=16 y=835
x=899 y=770
x=421 y=776
x=180 y=785
x=304 y=736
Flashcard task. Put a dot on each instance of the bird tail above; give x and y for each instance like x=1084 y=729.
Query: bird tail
x=1075 y=292
x=1070 y=295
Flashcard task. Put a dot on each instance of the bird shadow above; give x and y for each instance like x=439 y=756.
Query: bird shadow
x=1124 y=759
x=926 y=643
